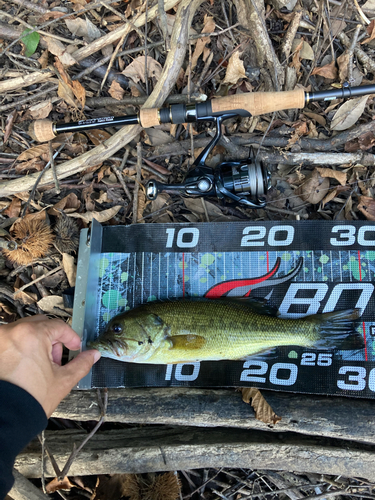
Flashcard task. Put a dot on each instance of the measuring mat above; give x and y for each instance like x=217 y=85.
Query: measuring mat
x=300 y=268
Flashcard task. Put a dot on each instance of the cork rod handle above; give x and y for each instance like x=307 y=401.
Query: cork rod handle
x=260 y=103
x=42 y=130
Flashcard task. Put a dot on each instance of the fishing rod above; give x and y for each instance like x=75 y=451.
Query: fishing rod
x=245 y=182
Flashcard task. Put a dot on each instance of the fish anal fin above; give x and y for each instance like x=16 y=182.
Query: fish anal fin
x=188 y=341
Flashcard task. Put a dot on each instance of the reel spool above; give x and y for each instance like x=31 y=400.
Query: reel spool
x=245 y=182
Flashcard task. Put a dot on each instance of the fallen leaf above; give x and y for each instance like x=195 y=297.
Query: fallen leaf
x=55 y=279
x=305 y=52
x=157 y=137
x=366 y=140
x=52 y=15
x=349 y=113
x=70 y=268
x=103 y=216
x=80 y=92
x=66 y=93
x=135 y=92
x=86 y=196
x=314 y=188
x=30 y=42
x=56 y=485
x=41 y=149
x=262 y=409
x=195 y=205
x=34 y=152
x=370 y=31
x=43 y=59
x=300 y=128
x=343 y=63
x=14 y=208
x=26 y=298
x=62 y=72
x=209 y=27
x=40 y=215
x=41 y=110
x=97 y=136
x=68 y=204
x=116 y=91
x=333 y=174
x=156 y=205
x=191 y=217
x=315 y=116
x=296 y=58
x=366 y=205
x=48 y=305
x=235 y=70
x=9 y=124
x=348 y=208
x=136 y=69
x=329 y=197
x=58 y=49
x=327 y=71
x=84 y=28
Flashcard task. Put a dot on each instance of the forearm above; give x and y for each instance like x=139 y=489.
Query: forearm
x=21 y=419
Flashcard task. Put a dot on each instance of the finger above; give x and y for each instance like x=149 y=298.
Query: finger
x=37 y=317
x=61 y=332
x=78 y=367
x=57 y=350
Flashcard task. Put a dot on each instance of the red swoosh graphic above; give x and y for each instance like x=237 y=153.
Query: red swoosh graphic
x=226 y=286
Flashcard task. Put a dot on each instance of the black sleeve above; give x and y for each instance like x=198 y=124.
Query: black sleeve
x=21 y=419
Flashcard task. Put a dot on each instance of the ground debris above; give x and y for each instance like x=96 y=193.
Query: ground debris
x=68 y=61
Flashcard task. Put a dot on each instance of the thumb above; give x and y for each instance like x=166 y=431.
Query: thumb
x=80 y=366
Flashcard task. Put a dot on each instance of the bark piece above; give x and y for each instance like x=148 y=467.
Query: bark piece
x=249 y=13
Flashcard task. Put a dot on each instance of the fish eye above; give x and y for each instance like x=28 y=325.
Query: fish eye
x=116 y=328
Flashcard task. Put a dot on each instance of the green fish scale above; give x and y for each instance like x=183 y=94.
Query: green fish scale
x=232 y=330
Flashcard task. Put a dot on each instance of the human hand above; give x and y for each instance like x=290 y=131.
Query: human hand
x=30 y=357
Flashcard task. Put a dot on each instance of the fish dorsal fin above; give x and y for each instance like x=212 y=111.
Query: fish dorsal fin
x=189 y=341
x=257 y=304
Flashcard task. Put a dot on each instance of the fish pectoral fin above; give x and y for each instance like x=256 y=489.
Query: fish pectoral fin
x=189 y=341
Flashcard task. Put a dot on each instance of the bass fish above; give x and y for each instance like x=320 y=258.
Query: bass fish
x=203 y=329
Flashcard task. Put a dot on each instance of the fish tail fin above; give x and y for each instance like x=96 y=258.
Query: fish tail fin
x=338 y=330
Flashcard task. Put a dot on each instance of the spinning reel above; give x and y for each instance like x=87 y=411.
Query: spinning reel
x=245 y=182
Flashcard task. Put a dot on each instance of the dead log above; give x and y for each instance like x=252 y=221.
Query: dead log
x=23 y=489
x=146 y=449
x=309 y=415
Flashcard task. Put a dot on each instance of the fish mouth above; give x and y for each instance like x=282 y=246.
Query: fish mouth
x=110 y=346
